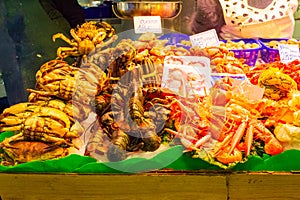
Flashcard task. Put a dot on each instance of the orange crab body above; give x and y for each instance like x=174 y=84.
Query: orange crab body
x=85 y=47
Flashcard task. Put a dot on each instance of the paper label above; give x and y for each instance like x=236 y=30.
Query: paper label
x=288 y=52
x=205 y=39
x=188 y=76
x=146 y=24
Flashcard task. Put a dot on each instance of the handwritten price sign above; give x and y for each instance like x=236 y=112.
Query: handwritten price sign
x=144 y=24
x=205 y=39
x=288 y=52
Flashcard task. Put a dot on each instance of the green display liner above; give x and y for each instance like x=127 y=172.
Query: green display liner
x=288 y=161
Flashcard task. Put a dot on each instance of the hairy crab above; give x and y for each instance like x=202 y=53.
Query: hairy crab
x=85 y=38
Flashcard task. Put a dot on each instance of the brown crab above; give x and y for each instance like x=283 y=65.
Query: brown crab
x=33 y=122
x=26 y=151
x=58 y=78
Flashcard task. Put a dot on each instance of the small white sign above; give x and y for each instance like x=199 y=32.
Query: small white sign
x=205 y=39
x=146 y=24
x=288 y=52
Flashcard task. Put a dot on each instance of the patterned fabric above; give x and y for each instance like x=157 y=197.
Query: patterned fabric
x=239 y=12
x=245 y=18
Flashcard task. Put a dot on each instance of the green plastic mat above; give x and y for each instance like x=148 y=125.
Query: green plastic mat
x=287 y=161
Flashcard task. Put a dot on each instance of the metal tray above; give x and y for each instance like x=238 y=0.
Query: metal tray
x=129 y=9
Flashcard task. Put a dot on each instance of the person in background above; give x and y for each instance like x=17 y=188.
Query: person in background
x=64 y=9
x=234 y=19
x=26 y=30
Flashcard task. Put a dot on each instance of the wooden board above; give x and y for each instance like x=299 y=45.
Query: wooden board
x=146 y=186
x=150 y=186
x=266 y=186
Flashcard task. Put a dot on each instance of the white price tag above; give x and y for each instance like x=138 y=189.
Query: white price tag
x=288 y=52
x=205 y=39
x=146 y=24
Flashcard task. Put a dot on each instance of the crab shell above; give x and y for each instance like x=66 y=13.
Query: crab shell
x=26 y=151
x=75 y=110
x=44 y=124
x=57 y=78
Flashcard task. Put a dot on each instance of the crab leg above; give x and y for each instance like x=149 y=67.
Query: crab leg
x=64 y=38
x=99 y=37
x=61 y=51
x=249 y=139
x=202 y=140
x=224 y=143
x=238 y=136
x=181 y=135
x=106 y=43
x=186 y=143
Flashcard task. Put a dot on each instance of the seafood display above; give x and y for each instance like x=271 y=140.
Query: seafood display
x=118 y=82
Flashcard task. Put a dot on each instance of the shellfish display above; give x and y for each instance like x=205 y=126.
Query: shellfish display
x=111 y=104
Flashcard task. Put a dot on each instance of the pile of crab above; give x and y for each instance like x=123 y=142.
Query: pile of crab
x=49 y=124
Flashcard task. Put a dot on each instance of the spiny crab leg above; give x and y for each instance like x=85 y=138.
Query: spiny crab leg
x=64 y=52
x=75 y=36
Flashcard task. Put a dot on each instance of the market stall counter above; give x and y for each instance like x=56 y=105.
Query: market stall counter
x=140 y=116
